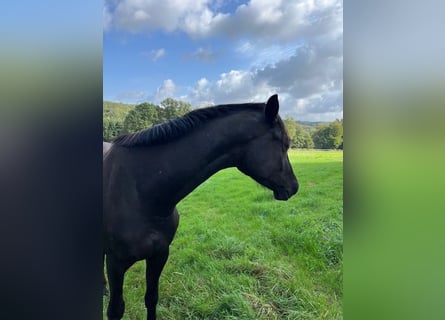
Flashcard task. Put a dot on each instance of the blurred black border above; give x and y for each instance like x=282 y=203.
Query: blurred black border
x=394 y=151
x=51 y=161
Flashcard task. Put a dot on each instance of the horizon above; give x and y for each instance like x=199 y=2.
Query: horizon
x=193 y=107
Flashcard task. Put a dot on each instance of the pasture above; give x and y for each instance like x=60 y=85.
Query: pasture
x=240 y=254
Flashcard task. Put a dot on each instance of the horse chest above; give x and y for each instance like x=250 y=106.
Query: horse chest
x=143 y=240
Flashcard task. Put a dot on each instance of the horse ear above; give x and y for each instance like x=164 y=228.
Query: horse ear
x=272 y=107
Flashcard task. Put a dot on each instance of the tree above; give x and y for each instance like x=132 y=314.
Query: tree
x=112 y=128
x=143 y=116
x=291 y=127
x=298 y=136
x=171 y=108
x=302 y=138
x=146 y=114
x=113 y=115
x=329 y=136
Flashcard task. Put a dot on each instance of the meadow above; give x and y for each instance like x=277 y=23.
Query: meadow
x=240 y=254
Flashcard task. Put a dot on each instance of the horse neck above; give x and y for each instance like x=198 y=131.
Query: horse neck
x=215 y=147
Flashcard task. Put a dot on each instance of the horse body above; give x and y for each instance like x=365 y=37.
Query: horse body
x=145 y=177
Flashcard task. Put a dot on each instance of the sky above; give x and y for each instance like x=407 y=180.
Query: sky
x=209 y=52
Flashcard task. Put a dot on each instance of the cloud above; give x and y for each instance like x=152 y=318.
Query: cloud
x=280 y=21
x=204 y=55
x=311 y=69
x=202 y=83
x=309 y=84
x=270 y=20
x=155 y=54
x=305 y=99
x=166 y=90
x=158 y=53
x=107 y=18
x=149 y=15
x=133 y=96
x=308 y=79
x=260 y=55
x=235 y=86
x=294 y=48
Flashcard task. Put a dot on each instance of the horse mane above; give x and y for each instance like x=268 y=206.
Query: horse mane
x=175 y=128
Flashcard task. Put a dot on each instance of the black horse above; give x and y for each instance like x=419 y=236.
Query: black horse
x=147 y=173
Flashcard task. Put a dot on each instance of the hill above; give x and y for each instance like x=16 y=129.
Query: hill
x=116 y=110
x=309 y=126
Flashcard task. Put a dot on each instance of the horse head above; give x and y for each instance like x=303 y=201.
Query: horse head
x=264 y=157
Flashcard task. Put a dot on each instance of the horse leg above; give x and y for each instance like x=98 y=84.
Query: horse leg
x=154 y=267
x=116 y=271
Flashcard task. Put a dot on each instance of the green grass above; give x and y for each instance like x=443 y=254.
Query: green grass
x=240 y=254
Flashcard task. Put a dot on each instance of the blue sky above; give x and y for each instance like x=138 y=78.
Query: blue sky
x=212 y=52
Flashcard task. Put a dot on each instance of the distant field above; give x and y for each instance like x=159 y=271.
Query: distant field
x=240 y=254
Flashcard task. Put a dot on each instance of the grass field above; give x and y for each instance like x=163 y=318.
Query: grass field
x=240 y=254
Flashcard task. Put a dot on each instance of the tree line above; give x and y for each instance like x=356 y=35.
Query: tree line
x=123 y=118
x=326 y=135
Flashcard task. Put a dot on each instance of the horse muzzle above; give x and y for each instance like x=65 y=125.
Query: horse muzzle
x=284 y=194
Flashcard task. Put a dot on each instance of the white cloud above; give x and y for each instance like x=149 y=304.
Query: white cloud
x=204 y=54
x=166 y=90
x=310 y=70
x=274 y=20
x=271 y=20
x=201 y=95
x=235 y=86
x=131 y=96
x=201 y=24
x=260 y=56
x=202 y=84
x=155 y=54
x=309 y=82
x=317 y=99
x=107 y=18
x=158 y=53
x=148 y=15
x=294 y=48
